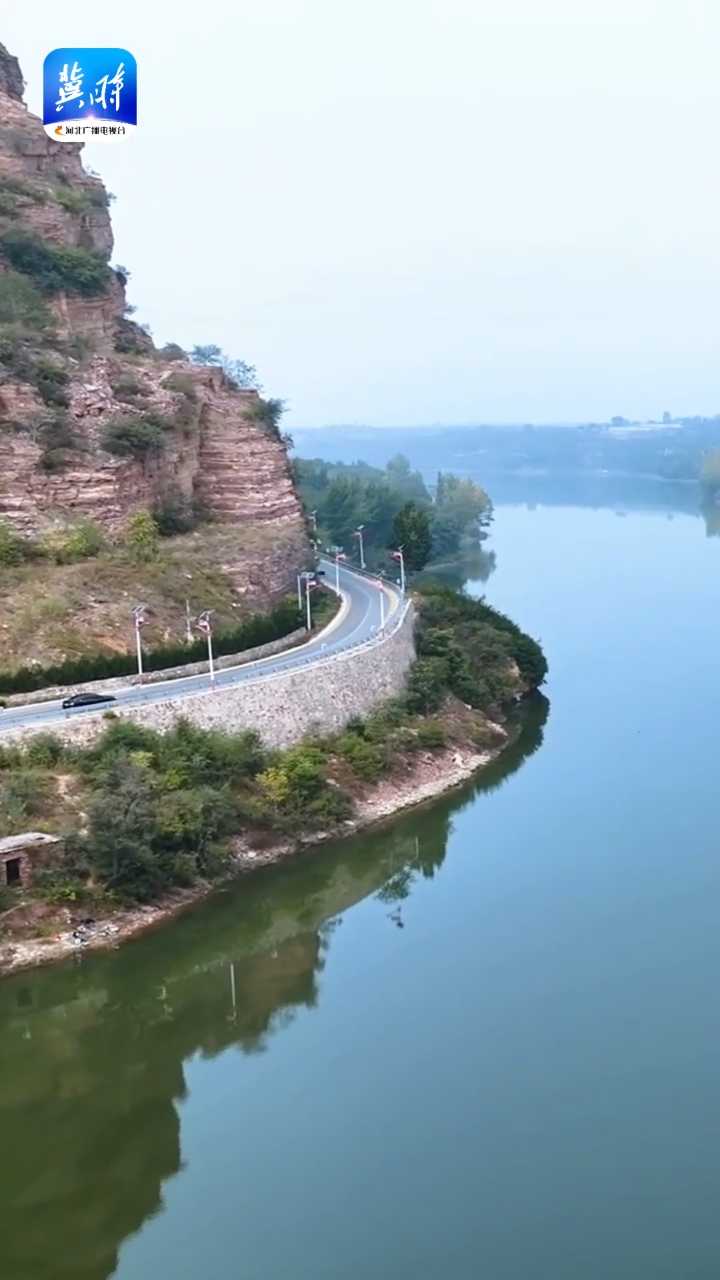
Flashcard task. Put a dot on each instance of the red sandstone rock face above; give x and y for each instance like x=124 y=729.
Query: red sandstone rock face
x=220 y=455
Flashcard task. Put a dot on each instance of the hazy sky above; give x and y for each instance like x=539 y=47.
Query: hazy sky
x=413 y=211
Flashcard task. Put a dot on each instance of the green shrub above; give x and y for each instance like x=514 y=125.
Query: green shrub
x=26 y=190
x=22 y=793
x=11 y=757
x=127 y=387
x=162 y=806
x=131 y=340
x=294 y=791
x=443 y=607
x=141 y=538
x=84 y=540
x=57 y=439
x=51 y=382
x=81 y=199
x=366 y=759
x=44 y=750
x=390 y=715
x=134 y=437
x=73 y=199
x=59 y=888
x=8 y=205
x=13 y=191
x=48 y=377
x=267 y=413
x=426 y=685
x=13 y=548
x=486 y=735
x=55 y=268
x=175 y=513
x=79 y=346
x=80 y=541
x=431 y=734
x=21 y=303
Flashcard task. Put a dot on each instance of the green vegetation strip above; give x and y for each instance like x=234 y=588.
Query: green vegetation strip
x=258 y=629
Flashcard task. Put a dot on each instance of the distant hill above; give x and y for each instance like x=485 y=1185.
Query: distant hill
x=668 y=451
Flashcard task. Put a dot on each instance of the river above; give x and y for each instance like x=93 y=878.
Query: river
x=520 y=1081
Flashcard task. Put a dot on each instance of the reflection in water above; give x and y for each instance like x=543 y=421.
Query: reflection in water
x=472 y=566
x=595 y=490
x=711 y=516
x=94 y=1053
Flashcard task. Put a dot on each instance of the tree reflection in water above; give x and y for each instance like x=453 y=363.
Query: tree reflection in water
x=93 y=1053
x=473 y=566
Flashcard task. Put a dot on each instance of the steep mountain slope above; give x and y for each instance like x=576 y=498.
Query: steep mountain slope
x=97 y=425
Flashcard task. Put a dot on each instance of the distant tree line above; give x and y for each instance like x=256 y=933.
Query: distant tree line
x=395 y=508
x=674 y=451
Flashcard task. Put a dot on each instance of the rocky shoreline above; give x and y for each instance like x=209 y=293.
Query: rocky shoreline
x=434 y=774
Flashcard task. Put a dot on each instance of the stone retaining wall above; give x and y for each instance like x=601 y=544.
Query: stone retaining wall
x=283 y=707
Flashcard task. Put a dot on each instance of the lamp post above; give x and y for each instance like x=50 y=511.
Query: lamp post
x=359 y=535
x=204 y=624
x=299 y=587
x=339 y=555
x=313 y=516
x=382 y=605
x=398 y=555
x=307 y=577
x=140 y=619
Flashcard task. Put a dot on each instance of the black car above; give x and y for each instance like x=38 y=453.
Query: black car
x=86 y=700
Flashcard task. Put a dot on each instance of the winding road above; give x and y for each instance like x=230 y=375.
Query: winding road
x=358 y=620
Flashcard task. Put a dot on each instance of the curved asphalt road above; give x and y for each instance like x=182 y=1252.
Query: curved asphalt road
x=357 y=621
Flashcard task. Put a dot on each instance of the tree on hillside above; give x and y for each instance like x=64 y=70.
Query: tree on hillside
x=141 y=538
x=238 y=371
x=411 y=531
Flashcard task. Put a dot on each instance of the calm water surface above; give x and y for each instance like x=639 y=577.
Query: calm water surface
x=521 y=1082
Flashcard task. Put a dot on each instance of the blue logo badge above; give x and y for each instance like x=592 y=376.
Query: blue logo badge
x=89 y=94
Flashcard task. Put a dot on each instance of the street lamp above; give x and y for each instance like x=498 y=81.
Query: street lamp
x=308 y=578
x=359 y=535
x=312 y=515
x=339 y=555
x=398 y=555
x=140 y=619
x=204 y=624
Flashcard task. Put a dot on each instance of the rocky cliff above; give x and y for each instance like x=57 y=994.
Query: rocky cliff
x=95 y=422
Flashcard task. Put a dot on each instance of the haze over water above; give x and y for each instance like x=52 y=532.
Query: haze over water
x=522 y=1081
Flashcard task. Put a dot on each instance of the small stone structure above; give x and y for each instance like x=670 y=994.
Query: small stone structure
x=20 y=854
